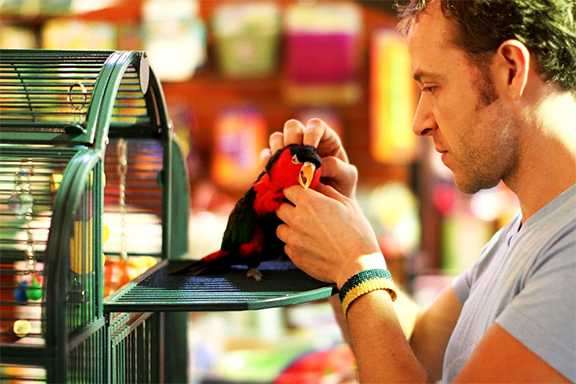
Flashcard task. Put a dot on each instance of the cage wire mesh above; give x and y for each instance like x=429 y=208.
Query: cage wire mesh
x=87 y=360
x=28 y=183
x=132 y=209
x=130 y=113
x=84 y=302
x=54 y=88
x=52 y=108
x=135 y=349
x=55 y=92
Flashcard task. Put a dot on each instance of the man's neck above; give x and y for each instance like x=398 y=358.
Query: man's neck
x=548 y=163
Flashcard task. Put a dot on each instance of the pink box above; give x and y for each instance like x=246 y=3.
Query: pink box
x=322 y=57
x=322 y=43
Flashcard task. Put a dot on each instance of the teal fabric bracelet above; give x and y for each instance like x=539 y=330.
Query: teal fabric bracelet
x=361 y=277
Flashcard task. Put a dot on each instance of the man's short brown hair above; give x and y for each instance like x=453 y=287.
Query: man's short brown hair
x=546 y=27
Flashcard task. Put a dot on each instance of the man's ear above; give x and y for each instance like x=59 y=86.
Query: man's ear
x=514 y=65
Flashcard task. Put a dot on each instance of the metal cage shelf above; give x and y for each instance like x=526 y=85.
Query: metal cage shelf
x=283 y=284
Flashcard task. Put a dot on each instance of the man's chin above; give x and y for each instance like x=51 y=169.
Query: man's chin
x=472 y=186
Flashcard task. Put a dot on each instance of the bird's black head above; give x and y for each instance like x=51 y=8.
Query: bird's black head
x=304 y=153
x=295 y=164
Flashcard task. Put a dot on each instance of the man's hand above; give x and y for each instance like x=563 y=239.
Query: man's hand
x=336 y=170
x=327 y=235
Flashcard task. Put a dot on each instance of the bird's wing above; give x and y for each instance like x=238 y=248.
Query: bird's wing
x=241 y=223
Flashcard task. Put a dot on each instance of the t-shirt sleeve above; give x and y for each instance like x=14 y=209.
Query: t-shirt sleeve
x=543 y=315
x=461 y=285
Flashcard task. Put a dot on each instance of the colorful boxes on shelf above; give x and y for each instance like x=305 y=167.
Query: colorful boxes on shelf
x=323 y=42
x=175 y=38
x=240 y=135
x=322 y=49
x=247 y=37
x=393 y=97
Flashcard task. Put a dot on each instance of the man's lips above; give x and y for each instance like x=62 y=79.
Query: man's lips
x=439 y=150
x=444 y=157
x=443 y=153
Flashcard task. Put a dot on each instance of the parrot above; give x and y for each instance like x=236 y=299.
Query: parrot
x=250 y=235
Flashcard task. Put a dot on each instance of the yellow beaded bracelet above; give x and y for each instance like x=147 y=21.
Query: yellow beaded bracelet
x=367 y=286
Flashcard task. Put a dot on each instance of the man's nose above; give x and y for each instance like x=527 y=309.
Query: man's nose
x=424 y=122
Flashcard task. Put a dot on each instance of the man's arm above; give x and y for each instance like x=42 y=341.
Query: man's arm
x=501 y=358
x=383 y=354
x=431 y=331
x=379 y=344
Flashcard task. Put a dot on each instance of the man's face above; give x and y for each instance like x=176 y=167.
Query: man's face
x=459 y=106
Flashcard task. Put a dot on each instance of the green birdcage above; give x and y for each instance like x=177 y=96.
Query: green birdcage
x=85 y=144
x=92 y=178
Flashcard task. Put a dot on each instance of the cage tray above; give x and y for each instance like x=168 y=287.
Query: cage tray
x=158 y=290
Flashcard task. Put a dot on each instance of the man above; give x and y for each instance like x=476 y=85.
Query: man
x=498 y=82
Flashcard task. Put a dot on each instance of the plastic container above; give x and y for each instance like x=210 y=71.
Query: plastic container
x=247 y=37
x=174 y=37
x=322 y=43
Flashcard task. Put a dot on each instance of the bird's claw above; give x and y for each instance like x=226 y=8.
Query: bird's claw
x=255 y=274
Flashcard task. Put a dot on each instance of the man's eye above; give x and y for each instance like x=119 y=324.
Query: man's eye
x=429 y=89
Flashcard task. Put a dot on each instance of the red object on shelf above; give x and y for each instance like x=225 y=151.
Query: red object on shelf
x=313 y=367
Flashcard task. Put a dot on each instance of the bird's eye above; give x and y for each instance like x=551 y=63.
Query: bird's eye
x=295 y=159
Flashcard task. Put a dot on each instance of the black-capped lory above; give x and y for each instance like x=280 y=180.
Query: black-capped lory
x=250 y=235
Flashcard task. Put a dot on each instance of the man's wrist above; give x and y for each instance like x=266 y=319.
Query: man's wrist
x=369 y=261
x=364 y=282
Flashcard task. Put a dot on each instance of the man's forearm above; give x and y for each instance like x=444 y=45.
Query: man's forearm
x=379 y=342
x=432 y=331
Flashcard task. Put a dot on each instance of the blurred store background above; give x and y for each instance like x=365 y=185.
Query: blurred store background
x=233 y=72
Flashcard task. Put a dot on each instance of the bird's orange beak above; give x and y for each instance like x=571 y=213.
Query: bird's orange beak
x=306 y=174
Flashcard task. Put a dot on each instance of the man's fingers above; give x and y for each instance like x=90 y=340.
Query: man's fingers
x=316 y=134
x=265 y=156
x=322 y=137
x=283 y=213
x=276 y=142
x=328 y=191
x=292 y=194
x=340 y=175
x=281 y=231
x=315 y=129
x=293 y=132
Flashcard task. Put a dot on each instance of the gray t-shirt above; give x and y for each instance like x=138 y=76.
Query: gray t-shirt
x=525 y=280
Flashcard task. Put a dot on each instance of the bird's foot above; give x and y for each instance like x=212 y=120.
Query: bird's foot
x=255 y=274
